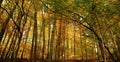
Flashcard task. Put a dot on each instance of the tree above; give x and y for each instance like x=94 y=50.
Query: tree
x=59 y=30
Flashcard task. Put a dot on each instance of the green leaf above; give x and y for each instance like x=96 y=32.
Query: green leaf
x=87 y=1
x=65 y=0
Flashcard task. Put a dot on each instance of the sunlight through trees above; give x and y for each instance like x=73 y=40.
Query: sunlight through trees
x=59 y=30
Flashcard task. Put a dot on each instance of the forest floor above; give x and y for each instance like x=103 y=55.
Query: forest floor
x=26 y=60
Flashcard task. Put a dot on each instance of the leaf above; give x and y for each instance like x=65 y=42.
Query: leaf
x=87 y=1
x=65 y=0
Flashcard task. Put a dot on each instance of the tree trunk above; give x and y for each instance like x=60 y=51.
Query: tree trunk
x=6 y=22
x=43 y=28
x=52 y=39
x=101 y=46
x=35 y=35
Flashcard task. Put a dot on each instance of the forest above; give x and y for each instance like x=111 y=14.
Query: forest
x=59 y=30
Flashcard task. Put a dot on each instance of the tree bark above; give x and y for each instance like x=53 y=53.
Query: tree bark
x=52 y=39
x=6 y=22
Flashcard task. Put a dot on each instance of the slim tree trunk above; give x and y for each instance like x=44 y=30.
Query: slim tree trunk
x=63 y=39
x=101 y=46
x=43 y=28
x=49 y=38
x=8 y=41
x=35 y=33
x=6 y=22
x=32 y=46
x=52 y=39
x=57 y=55
x=27 y=33
x=74 y=41
x=10 y=49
